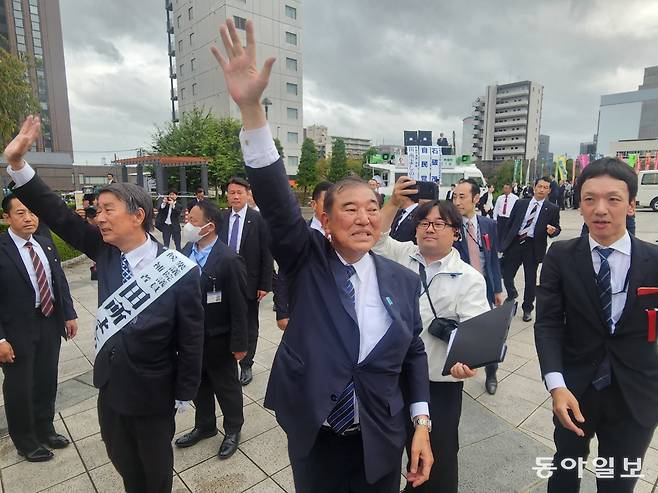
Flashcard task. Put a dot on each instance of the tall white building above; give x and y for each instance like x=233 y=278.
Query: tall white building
x=197 y=80
x=505 y=122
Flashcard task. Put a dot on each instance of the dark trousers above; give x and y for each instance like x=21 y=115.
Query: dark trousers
x=335 y=465
x=30 y=384
x=516 y=255
x=620 y=437
x=219 y=378
x=445 y=413
x=501 y=228
x=139 y=447
x=252 y=333
x=169 y=230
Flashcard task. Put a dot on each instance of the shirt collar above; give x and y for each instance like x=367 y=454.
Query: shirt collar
x=411 y=208
x=362 y=266
x=20 y=242
x=447 y=262
x=538 y=202
x=135 y=256
x=205 y=250
x=316 y=224
x=622 y=245
x=242 y=212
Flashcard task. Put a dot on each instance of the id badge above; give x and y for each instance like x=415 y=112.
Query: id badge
x=214 y=297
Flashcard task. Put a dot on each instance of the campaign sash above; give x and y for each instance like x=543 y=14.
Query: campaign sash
x=133 y=297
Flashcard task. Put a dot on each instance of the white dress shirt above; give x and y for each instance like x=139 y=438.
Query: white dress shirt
x=500 y=204
x=620 y=263
x=476 y=226
x=316 y=224
x=374 y=321
x=138 y=258
x=171 y=206
x=243 y=215
x=29 y=266
x=533 y=201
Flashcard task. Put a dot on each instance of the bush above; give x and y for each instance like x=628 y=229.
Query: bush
x=66 y=251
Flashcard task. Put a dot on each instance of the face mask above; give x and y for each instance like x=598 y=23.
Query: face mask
x=192 y=233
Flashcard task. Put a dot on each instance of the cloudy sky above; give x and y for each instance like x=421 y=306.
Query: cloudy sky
x=373 y=68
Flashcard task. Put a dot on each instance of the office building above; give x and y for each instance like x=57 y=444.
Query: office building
x=197 y=80
x=32 y=29
x=544 y=156
x=319 y=134
x=354 y=147
x=468 y=131
x=629 y=115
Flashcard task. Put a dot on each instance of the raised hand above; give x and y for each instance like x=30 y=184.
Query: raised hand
x=23 y=142
x=245 y=83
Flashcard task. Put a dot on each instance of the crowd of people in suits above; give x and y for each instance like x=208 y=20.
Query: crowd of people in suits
x=357 y=378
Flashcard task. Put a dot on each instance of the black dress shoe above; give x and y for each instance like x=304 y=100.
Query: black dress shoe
x=229 y=445
x=491 y=384
x=194 y=437
x=40 y=454
x=527 y=316
x=246 y=376
x=55 y=441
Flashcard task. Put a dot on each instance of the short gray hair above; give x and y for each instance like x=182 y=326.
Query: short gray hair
x=135 y=198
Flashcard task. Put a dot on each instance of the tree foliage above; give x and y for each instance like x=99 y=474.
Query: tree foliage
x=338 y=168
x=307 y=175
x=279 y=148
x=201 y=134
x=16 y=96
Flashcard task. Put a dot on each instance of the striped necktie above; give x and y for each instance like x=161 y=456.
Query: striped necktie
x=47 y=307
x=126 y=275
x=342 y=415
x=603 y=376
x=525 y=230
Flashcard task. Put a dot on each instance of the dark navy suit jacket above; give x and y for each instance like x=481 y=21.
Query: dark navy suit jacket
x=486 y=226
x=319 y=350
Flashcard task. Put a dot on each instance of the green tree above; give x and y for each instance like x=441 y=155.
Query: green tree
x=307 y=175
x=370 y=152
x=504 y=174
x=338 y=167
x=356 y=167
x=279 y=148
x=16 y=96
x=201 y=134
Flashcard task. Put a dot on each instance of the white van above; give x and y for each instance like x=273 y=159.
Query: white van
x=387 y=174
x=647 y=192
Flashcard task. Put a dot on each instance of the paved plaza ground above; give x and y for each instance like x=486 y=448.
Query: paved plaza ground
x=500 y=435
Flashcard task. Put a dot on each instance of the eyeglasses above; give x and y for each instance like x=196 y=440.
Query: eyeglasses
x=438 y=225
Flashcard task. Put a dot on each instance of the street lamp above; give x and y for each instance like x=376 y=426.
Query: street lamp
x=267 y=103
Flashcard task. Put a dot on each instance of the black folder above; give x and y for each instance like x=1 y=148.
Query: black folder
x=480 y=340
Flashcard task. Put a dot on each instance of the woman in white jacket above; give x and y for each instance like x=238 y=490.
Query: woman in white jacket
x=457 y=292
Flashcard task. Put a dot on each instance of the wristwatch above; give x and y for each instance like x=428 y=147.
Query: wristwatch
x=421 y=421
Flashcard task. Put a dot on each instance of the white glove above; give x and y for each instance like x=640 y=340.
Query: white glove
x=182 y=406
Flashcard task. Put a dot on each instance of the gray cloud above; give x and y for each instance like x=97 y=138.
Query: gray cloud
x=375 y=67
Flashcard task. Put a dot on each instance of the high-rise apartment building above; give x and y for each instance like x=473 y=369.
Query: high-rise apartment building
x=197 y=80
x=32 y=29
x=544 y=155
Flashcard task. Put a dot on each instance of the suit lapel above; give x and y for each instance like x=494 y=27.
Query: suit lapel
x=396 y=220
x=585 y=268
x=15 y=256
x=639 y=265
x=226 y=221
x=247 y=227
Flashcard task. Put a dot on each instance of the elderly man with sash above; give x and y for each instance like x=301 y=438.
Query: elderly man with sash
x=149 y=327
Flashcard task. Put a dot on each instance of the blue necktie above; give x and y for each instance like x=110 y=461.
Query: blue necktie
x=233 y=240
x=603 y=376
x=342 y=415
x=126 y=275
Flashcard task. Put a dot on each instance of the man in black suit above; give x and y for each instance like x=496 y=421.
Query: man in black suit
x=554 y=194
x=155 y=359
x=404 y=227
x=450 y=192
x=595 y=338
x=354 y=331
x=199 y=196
x=169 y=219
x=224 y=296
x=36 y=311
x=530 y=224
x=245 y=232
x=279 y=284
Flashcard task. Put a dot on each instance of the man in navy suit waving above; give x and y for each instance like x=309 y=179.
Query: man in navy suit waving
x=353 y=341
